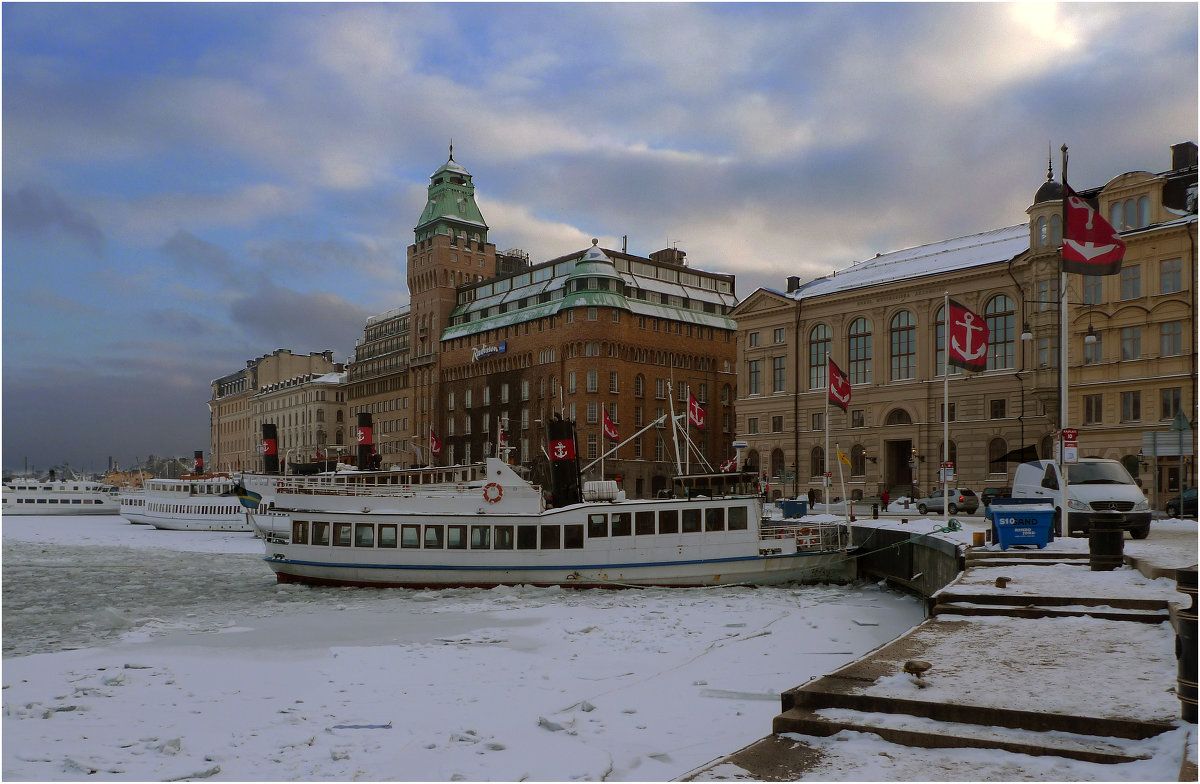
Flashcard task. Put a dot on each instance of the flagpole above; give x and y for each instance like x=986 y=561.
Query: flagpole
x=946 y=413
x=1062 y=348
x=825 y=468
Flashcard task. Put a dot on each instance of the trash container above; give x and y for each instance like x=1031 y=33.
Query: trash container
x=794 y=507
x=1106 y=547
x=1020 y=521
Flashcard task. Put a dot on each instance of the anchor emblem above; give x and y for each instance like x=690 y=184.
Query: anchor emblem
x=1087 y=249
x=969 y=326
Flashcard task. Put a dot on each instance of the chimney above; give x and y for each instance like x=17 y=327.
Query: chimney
x=793 y=283
x=672 y=256
x=1183 y=155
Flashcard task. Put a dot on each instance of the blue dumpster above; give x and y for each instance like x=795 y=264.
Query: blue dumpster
x=1026 y=521
x=793 y=508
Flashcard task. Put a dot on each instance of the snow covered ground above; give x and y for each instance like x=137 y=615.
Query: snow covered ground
x=137 y=654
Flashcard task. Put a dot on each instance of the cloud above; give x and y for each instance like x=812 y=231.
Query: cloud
x=193 y=254
x=304 y=322
x=37 y=210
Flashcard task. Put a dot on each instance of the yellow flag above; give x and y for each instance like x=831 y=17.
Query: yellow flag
x=842 y=456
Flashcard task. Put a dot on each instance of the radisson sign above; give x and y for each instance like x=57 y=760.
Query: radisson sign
x=483 y=352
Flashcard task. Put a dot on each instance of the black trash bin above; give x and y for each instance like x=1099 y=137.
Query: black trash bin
x=1106 y=548
x=1185 y=645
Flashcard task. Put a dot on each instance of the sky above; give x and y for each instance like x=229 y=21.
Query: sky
x=190 y=186
x=220 y=674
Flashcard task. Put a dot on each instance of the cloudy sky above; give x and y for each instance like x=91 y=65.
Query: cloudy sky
x=188 y=186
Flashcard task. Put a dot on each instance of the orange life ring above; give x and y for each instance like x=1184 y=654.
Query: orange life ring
x=278 y=484
x=805 y=532
x=492 y=492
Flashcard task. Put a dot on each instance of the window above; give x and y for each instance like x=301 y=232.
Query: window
x=299 y=532
x=953 y=411
x=714 y=519
x=858 y=460
x=1170 y=402
x=753 y=339
x=998 y=408
x=903 y=334
x=779 y=374
x=860 y=351
x=818 y=420
x=320 y=533
x=1170 y=276
x=660 y=388
x=364 y=535
x=1047 y=294
x=551 y=534
x=639 y=385
x=503 y=538
x=527 y=537
x=1172 y=338
x=593 y=381
x=858 y=418
x=342 y=534
x=597 y=526
x=817 y=461
x=1093 y=289
x=1093 y=353
x=668 y=521
x=1131 y=343
x=644 y=523
x=779 y=334
x=998 y=456
x=1131 y=406
x=434 y=537
x=622 y=524
x=1001 y=349
x=614 y=384
x=410 y=536
x=1131 y=281
x=1093 y=409
x=691 y=521
x=387 y=535
x=572 y=537
x=818 y=354
x=737 y=518
x=754 y=377
x=940 y=330
x=752 y=425
x=776 y=424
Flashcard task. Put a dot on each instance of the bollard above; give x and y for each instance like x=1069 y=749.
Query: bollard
x=1106 y=548
x=874 y=511
x=1185 y=645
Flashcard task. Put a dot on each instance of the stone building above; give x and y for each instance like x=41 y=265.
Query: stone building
x=309 y=414
x=234 y=434
x=882 y=321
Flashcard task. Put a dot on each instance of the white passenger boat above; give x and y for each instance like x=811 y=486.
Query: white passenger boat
x=484 y=525
x=206 y=502
x=59 y=497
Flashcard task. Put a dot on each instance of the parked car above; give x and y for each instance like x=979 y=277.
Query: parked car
x=1098 y=492
x=1183 y=505
x=994 y=492
x=961 y=500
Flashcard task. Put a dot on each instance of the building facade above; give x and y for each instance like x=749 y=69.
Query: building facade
x=234 y=434
x=882 y=322
x=309 y=412
x=379 y=383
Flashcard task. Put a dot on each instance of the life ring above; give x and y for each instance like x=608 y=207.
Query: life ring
x=278 y=484
x=804 y=532
x=492 y=492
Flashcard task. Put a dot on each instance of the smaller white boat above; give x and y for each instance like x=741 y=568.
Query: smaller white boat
x=59 y=497
x=196 y=502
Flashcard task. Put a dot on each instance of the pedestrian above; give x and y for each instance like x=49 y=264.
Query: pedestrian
x=883 y=497
x=812 y=498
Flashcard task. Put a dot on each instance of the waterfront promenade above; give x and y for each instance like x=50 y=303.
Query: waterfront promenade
x=1052 y=672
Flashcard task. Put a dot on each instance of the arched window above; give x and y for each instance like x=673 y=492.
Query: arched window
x=1001 y=346
x=1046 y=448
x=904 y=346
x=898 y=416
x=817 y=461
x=953 y=458
x=1055 y=230
x=1143 y=211
x=1130 y=215
x=777 y=464
x=860 y=351
x=639 y=385
x=940 y=318
x=1041 y=232
x=1116 y=216
x=751 y=463
x=997 y=456
x=858 y=460
x=818 y=355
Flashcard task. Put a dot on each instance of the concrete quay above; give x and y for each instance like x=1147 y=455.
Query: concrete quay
x=1041 y=669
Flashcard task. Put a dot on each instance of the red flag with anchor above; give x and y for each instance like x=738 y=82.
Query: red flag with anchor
x=1090 y=243
x=610 y=428
x=696 y=413
x=968 y=338
x=435 y=443
x=562 y=449
x=839 y=386
x=729 y=465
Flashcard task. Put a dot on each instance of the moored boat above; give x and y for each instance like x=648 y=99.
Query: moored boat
x=484 y=525
x=59 y=497
x=207 y=502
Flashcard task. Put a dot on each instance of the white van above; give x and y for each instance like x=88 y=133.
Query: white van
x=1099 y=492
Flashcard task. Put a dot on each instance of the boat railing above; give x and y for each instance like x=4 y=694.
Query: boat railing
x=814 y=537
x=459 y=490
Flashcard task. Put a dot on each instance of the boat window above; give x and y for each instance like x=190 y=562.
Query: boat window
x=504 y=537
x=737 y=518
x=387 y=535
x=527 y=537
x=621 y=522
x=573 y=536
x=551 y=534
x=364 y=535
x=299 y=532
x=481 y=537
x=644 y=523
x=668 y=521
x=714 y=519
x=456 y=537
x=341 y=534
x=691 y=521
x=597 y=525
x=410 y=536
x=433 y=537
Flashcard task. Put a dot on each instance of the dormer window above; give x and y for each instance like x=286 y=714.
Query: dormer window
x=1130 y=214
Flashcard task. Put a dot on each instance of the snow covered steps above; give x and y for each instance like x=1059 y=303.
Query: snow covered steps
x=1028 y=606
x=822 y=709
x=1025 y=557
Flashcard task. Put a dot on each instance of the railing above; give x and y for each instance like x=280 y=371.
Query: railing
x=810 y=537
